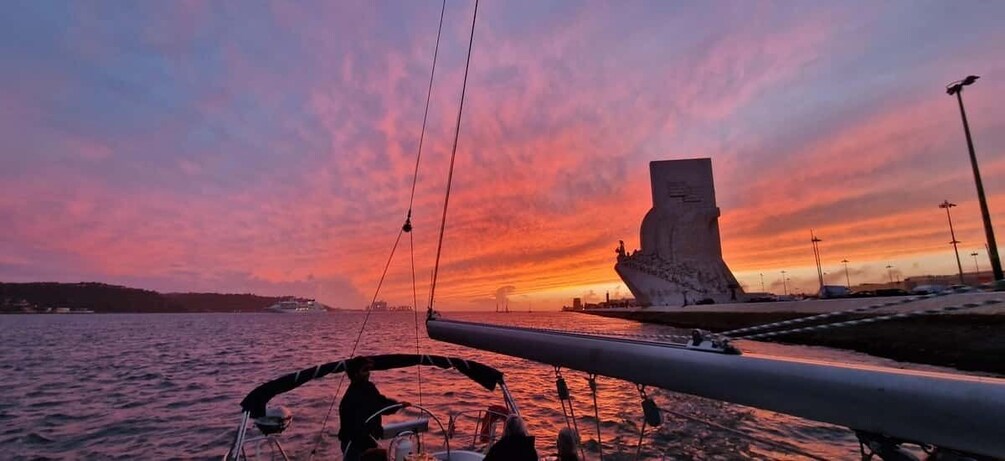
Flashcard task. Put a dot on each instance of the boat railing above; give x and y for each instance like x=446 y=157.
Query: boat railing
x=252 y=449
x=485 y=428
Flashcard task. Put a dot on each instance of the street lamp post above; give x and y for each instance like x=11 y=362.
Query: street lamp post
x=945 y=204
x=762 y=281
x=785 y=288
x=889 y=272
x=977 y=267
x=816 y=256
x=956 y=88
x=847 y=279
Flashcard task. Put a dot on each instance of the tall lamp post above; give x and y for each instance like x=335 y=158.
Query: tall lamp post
x=977 y=267
x=956 y=88
x=762 y=279
x=816 y=256
x=785 y=288
x=945 y=204
x=846 y=278
x=889 y=272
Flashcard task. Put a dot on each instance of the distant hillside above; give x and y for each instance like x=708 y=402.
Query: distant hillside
x=101 y=297
x=216 y=302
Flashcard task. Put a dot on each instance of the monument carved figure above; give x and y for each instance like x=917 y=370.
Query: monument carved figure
x=681 y=255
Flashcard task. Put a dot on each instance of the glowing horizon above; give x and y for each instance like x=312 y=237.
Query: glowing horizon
x=269 y=148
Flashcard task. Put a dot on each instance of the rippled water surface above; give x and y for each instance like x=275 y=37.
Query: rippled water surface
x=168 y=386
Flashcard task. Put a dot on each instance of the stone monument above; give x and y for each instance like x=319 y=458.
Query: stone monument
x=680 y=262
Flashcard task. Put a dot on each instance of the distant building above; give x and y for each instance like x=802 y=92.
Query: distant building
x=969 y=278
x=834 y=291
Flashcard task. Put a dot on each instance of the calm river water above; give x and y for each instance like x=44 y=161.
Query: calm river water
x=167 y=386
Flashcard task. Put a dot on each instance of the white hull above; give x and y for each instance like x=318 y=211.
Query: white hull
x=297 y=307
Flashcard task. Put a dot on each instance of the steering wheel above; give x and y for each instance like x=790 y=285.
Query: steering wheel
x=398 y=406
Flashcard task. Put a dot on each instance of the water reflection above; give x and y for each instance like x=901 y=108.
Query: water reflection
x=169 y=385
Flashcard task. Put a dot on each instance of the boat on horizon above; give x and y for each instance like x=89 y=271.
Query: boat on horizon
x=297 y=306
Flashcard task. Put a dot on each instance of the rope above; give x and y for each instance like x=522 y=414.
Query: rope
x=425 y=112
x=415 y=314
x=359 y=335
x=769 y=326
x=675 y=339
x=642 y=432
x=453 y=156
x=411 y=197
x=902 y=315
x=563 y=395
x=407 y=227
x=592 y=379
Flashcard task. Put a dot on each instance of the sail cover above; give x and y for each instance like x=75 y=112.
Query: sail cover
x=256 y=400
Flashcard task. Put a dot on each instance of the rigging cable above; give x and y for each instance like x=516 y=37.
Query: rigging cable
x=642 y=432
x=359 y=335
x=453 y=156
x=592 y=379
x=900 y=315
x=784 y=323
x=569 y=413
x=407 y=227
x=415 y=316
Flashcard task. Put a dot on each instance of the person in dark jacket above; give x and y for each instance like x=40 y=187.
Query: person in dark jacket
x=514 y=445
x=361 y=400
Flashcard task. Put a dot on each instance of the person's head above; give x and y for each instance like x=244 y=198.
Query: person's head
x=374 y=454
x=514 y=426
x=568 y=441
x=358 y=369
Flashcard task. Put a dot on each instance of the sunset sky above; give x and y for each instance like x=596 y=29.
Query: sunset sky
x=260 y=147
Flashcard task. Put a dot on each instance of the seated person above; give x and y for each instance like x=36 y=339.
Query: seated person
x=568 y=445
x=514 y=445
x=361 y=400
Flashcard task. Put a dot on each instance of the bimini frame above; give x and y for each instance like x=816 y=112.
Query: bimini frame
x=254 y=404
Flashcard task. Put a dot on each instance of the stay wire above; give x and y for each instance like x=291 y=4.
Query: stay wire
x=415 y=315
x=359 y=335
x=592 y=379
x=453 y=156
x=642 y=432
x=425 y=112
x=411 y=197
x=570 y=412
x=405 y=228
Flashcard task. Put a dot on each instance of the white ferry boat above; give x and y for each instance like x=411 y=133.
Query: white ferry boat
x=294 y=306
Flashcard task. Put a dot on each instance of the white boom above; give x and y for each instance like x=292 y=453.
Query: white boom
x=964 y=413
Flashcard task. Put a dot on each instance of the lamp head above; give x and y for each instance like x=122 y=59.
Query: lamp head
x=958 y=85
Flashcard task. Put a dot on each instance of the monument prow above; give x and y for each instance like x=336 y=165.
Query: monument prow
x=680 y=259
